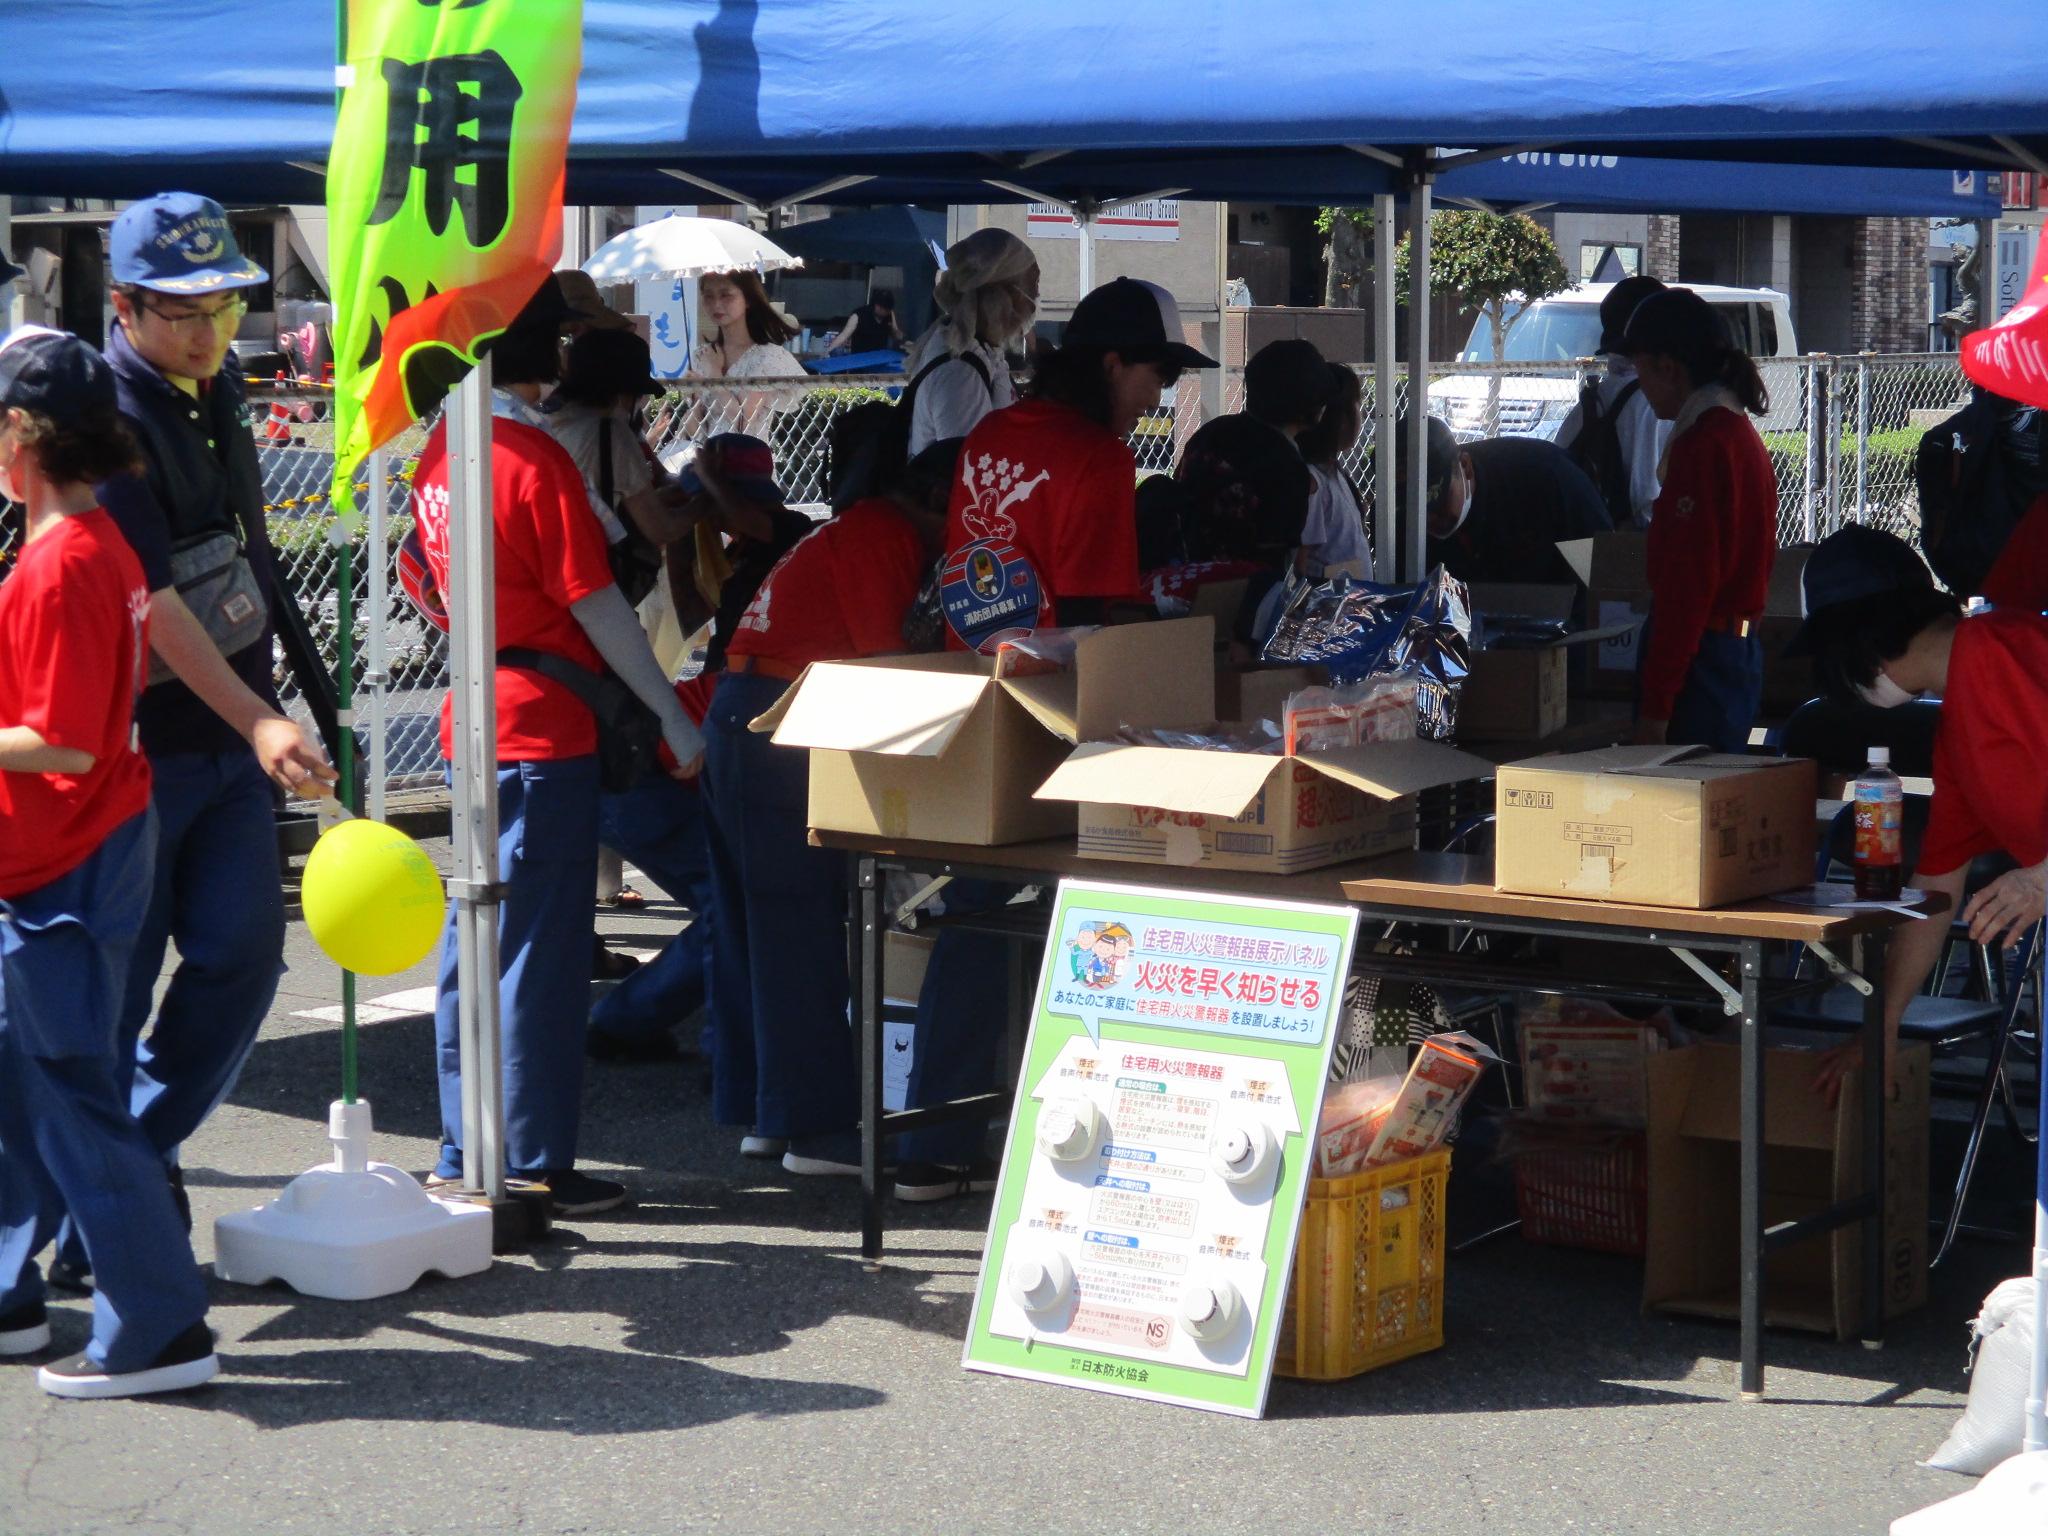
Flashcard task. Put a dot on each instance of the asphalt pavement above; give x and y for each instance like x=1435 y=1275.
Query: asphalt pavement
x=717 y=1357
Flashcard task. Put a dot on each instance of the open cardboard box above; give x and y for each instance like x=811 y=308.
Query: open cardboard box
x=1813 y=1157
x=1241 y=810
x=1519 y=692
x=1615 y=568
x=940 y=749
x=1661 y=826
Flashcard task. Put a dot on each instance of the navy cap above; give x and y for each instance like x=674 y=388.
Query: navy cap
x=1850 y=566
x=1135 y=319
x=55 y=375
x=179 y=242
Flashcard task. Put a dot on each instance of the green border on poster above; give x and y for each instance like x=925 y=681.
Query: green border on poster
x=1306 y=1068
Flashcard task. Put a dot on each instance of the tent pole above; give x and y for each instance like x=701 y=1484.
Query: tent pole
x=1386 y=318
x=2037 y=1383
x=472 y=662
x=1084 y=220
x=1414 y=524
x=376 y=674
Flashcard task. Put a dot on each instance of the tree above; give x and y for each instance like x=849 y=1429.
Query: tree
x=1490 y=260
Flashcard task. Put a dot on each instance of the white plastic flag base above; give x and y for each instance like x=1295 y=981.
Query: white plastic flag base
x=2012 y=1497
x=352 y=1229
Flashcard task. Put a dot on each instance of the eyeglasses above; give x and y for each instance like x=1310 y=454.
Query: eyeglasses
x=199 y=321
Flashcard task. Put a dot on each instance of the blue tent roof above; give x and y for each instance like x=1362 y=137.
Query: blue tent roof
x=1069 y=98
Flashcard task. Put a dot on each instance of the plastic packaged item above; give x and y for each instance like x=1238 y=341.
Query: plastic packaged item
x=1994 y=1422
x=1378 y=708
x=1357 y=629
x=1257 y=737
x=1034 y=652
x=1586 y=1063
x=1352 y=1115
x=1425 y=1112
x=1879 y=800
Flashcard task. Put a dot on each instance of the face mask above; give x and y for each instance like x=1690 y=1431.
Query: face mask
x=1884 y=693
x=1464 y=510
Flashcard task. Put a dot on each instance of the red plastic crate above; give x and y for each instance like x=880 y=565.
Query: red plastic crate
x=1585 y=1189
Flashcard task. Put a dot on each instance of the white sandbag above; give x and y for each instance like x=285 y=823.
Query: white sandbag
x=1994 y=1424
x=2011 y=1501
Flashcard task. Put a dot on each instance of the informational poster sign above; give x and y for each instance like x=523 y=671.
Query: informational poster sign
x=1152 y=1187
x=1149 y=218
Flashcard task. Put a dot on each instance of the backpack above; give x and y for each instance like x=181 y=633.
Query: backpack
x=870 y=444
x=1597 y=448
x=1975 y=483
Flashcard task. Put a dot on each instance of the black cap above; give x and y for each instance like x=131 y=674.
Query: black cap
x=1850 y=566
x=1443 y=455
x=1620 y=303
x=1677 y=323
x=1135 y=319
x=1288 y=381
x=604 y=364
x=55 y=375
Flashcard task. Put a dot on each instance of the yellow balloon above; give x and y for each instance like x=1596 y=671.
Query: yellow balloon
x=372 y=898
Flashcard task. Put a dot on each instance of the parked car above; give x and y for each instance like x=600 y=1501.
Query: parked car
x=1554 y=334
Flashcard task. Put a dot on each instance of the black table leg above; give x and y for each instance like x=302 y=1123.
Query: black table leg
x=1752 y=1049
x=1869 y=962
x=867 y=980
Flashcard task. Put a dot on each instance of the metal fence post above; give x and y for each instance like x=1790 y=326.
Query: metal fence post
x=1863 y=437
x=1809 y=511
x=1834 y=447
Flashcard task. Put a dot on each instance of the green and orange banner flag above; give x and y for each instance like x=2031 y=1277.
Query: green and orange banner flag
x=2011 y=357
x=444 y=197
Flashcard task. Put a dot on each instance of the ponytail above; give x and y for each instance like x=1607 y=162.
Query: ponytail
x=1737 y=372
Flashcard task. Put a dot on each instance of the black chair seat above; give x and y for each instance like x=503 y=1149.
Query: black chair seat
x=1935 y=1020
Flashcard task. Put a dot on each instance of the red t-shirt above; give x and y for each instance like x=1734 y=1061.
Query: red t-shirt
x=1990 y=793
x=1712 y=539
x=2019 y=577
x=550 y=552
x=1045 y=507
x=74 y=632
x=842 y=592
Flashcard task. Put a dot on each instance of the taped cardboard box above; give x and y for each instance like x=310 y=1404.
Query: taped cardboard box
x=1813 y=1158
x=1234 y=810
x=940 y=749
x=1518 y=688
x=1615 y=568
x=1658 y=826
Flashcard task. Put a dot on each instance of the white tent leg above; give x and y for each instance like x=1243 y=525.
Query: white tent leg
x=1084 y=219
x=376 y=652
x=2037 y=1385
x=1415 y=519
x=472 y=660
x=1386 y=319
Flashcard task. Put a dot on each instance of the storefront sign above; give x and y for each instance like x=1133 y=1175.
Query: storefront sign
x=1151 y=218
x=1151 y=1191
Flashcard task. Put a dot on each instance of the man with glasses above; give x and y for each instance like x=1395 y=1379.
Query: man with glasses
x=195 y=519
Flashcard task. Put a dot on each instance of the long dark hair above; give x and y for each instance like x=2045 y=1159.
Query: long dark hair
x=1322 y=442
x=1679 y=324
x=1074 y=377
x=763 y=324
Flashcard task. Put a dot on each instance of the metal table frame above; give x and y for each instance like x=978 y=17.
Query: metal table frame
x=1744 y=1000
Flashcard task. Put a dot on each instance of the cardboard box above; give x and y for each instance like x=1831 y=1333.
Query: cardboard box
x=1813 y=1158
x=1229 y=810
x=1615 y=568
x=939 y=749
x=1261 y=693
x=1788 y=680
x=1660 y=826
x=1587 y=1071
x=1517 y=690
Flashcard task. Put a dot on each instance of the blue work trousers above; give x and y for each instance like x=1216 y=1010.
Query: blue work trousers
x=68 y=1141
x=783 y=1064
x=1723 y=692
x=961 y=1011
x=547 y=861
x=659 y=826
x=219 y=896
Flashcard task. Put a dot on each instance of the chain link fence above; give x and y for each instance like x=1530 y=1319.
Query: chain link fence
x=1842 y=433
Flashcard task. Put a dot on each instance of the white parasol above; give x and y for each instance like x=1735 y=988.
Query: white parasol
x=684 y=246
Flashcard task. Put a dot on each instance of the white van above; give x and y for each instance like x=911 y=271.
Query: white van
x=1559 y=330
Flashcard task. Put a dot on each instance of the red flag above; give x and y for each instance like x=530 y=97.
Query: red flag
x=2011 y=357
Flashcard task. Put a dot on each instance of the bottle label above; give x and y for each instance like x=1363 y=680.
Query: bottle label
x=1879 y=809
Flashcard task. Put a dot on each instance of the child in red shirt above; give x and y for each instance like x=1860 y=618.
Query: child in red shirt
x=782 y=1065
x=1715 y=529
x=1881 y=632
x=77 y=839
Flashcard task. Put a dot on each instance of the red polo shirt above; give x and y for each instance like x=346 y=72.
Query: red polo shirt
x=1990 y=792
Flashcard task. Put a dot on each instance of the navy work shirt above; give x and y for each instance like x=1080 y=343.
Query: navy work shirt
x=201 y=477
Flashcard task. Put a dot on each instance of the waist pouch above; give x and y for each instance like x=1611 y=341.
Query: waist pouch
x=628 y=732
x=215 y=580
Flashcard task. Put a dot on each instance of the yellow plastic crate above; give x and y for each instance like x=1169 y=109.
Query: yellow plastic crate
x=1368 y=1286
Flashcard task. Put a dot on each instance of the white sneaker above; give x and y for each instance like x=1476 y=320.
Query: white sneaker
x=771 y=1147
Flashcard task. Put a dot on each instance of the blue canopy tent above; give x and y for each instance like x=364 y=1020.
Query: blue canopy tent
x=913 y=239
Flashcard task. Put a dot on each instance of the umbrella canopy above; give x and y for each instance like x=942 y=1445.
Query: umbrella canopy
x=683 y=246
